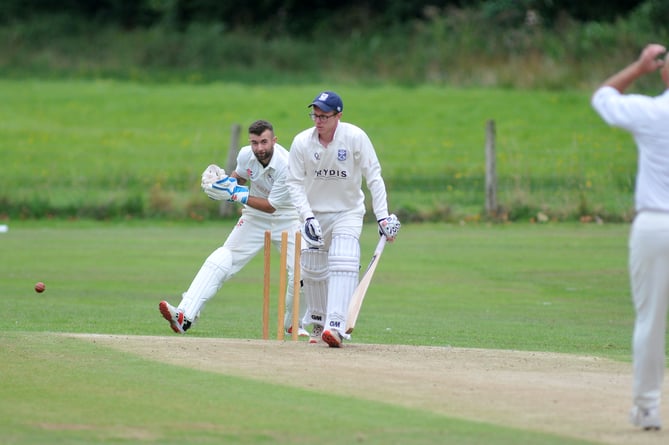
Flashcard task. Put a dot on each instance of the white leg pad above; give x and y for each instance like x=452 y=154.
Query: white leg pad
x=314 y=264
x=209 y=279
x=344 y=260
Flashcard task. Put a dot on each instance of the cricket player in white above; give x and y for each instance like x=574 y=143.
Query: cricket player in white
x=326 y=165
x=647 y=119
x=267 y=206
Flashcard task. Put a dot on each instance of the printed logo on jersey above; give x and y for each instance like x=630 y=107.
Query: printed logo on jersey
x=330 y=173
x=317 y=156
x=249 y=172
x=341 y=154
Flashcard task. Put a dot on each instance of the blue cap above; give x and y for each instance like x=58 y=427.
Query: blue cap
x=328 y=101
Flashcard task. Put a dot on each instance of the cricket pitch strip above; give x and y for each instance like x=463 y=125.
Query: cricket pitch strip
x=569 y=395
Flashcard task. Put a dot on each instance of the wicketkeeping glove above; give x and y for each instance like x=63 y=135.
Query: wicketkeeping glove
x=234 y=191
x=212 y=174
x=389 y=227
x=215 y=193
x=312 y=233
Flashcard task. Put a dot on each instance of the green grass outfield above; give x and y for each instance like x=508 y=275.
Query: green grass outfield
x=106 y=148
x=554 y=287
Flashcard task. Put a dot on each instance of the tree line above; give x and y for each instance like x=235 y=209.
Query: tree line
x=312 y=17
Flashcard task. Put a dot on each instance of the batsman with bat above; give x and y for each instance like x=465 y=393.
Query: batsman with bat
x=259 y=184
x=326 y=165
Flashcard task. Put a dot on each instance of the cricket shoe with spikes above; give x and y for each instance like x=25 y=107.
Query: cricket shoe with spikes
x=316 y=334
x=175 y=316
x=648 y=419
x=332 y=338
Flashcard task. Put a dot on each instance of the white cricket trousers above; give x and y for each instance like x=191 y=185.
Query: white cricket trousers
x=649 y=279
x=248 y=238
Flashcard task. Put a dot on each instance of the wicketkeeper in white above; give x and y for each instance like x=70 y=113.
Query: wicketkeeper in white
x=326 y=165
x=267 y=206
x=647 y=119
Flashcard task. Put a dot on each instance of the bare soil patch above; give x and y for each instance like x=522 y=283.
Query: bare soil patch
x=574 y=396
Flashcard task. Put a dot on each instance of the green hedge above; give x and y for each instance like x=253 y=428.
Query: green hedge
x=456 y=47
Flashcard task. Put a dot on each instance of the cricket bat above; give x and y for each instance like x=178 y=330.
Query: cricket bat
x=359 y=294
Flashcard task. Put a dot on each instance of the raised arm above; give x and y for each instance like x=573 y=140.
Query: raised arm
x=648 y=61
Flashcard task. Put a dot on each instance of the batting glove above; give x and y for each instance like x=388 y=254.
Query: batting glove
x=312 y=233
x=389 y=227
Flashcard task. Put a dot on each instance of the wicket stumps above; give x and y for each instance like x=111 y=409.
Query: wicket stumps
x=283 y=272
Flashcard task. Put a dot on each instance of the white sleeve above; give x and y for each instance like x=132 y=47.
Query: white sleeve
x=371 y=170
x=279 y=196
x=621 y=110
x=295 y=179
x=243 y=161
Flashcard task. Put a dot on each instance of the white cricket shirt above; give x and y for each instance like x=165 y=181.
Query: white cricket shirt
x=267 y=182
x=647 y=118
x=329 y=179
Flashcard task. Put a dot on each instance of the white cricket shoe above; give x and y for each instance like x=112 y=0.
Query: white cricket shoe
x=316 y=333
x=175 y=316
x=648 y=419
x=332 y=338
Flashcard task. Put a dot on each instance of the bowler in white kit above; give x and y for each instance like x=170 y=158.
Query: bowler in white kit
x=647 y=119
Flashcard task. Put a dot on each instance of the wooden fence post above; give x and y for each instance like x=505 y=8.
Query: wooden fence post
x=490 y=170
x=225 y=209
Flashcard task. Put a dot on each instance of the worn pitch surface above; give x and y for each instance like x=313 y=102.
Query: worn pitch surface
x=575 y=396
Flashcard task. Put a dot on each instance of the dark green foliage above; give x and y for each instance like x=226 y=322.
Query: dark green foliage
x=300 y=16
x=592 y=10
x=493 y=43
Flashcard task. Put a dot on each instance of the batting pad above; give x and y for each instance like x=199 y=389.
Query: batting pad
x=344 y=259
x=314 y=264
x=209 y=279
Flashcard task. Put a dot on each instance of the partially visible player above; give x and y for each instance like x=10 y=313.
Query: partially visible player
x=267 y=206
x=327 y=163
x=647 y=119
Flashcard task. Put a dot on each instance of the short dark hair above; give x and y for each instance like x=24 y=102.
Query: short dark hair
x=259 y=126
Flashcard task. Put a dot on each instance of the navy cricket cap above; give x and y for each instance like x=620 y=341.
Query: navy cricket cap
x=328 y=101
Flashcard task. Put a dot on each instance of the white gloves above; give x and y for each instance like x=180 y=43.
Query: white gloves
x=221 y=187
x=212 y=174
x=389 y=227
x=312 y=233
x=227 y=189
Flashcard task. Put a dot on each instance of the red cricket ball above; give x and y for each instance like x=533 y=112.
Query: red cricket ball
x=40 y=287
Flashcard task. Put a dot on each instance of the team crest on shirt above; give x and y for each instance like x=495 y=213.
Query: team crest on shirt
x=249 y=172
x=341 y=154
x=317 y=156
